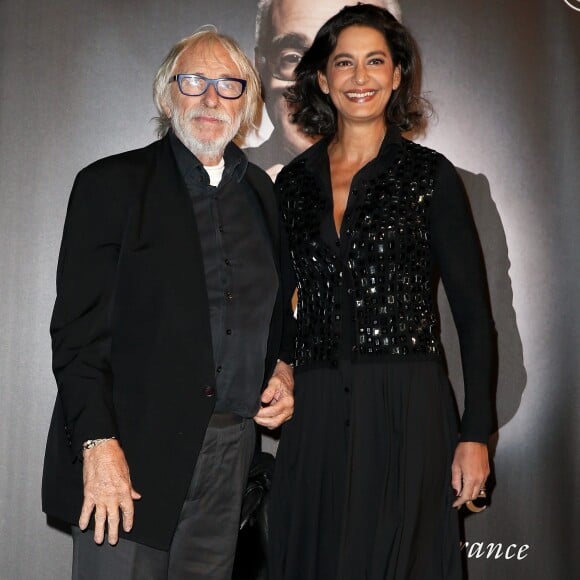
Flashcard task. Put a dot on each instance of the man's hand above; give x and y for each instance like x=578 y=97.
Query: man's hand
x=277 y=398
x=469 y=471
x=107 y=491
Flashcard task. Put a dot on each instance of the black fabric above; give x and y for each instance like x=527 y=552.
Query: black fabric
x=204 y=543
x=132 y=347
x=372 y=293
x=250 y=562
x=237 y=260
x=362 y=480
x=125 y=561
x=362 y=485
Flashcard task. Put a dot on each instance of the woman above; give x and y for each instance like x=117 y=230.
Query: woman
x=372 y=465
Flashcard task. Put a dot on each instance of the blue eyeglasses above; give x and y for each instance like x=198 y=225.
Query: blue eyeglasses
x=195 y=85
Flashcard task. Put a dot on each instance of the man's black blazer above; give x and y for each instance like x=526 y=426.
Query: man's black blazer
x=132 y=349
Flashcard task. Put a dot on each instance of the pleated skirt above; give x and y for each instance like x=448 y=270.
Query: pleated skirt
x=362 y=485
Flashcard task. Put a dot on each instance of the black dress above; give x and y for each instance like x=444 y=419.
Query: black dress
x=362 y=482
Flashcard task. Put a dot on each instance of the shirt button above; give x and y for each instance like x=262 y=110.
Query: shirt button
x=208 y=391
x=228 y=331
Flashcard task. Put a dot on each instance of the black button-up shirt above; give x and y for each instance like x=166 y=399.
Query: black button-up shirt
x=240 y=275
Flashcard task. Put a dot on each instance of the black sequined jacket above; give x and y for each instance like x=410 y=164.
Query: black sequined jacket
x=370 y=293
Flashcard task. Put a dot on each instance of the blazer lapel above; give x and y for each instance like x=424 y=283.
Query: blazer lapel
x=166 y=234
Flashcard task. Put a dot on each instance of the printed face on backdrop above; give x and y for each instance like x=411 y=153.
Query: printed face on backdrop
x=294 y=24
x=360 y=76
x=208 y=122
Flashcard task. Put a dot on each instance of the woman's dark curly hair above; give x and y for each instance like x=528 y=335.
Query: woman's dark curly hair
x=315 y=112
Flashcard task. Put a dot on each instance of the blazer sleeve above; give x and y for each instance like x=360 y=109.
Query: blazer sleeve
x=462 y=268
x=81 y=321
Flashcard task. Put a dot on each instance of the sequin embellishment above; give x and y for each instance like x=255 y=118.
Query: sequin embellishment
x=388 y=268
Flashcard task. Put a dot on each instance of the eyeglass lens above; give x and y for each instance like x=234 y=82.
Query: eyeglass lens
x=195 y=85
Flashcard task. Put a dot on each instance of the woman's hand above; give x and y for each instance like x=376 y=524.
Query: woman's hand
x=469 y=471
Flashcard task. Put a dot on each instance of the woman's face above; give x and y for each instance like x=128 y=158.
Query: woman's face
x=360 y=76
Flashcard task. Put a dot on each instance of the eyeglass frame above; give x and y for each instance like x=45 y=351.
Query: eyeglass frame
x=210 y=82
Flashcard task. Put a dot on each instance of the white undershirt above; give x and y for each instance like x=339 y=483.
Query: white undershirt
x=215 y=172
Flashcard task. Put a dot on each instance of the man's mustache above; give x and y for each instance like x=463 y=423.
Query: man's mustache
x=209 y=113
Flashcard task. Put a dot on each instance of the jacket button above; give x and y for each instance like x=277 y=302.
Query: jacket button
x=208 y=391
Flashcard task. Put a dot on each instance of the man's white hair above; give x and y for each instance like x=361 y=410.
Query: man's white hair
x=208 y=35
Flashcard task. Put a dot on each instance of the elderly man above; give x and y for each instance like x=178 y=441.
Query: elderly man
x=167 y=324
x=285 y=29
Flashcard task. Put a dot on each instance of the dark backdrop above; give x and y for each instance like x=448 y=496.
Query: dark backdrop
x=76 y=85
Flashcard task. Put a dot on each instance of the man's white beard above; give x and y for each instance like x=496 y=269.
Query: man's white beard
x=182 y=122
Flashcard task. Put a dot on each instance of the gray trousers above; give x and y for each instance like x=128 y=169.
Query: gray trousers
x=204 y=543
